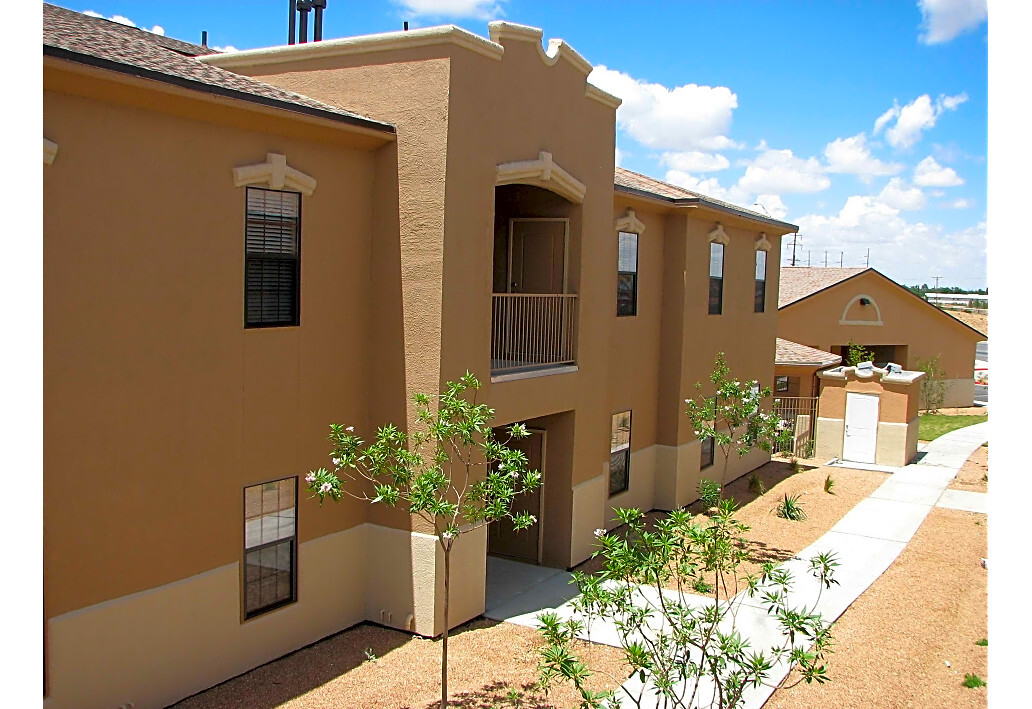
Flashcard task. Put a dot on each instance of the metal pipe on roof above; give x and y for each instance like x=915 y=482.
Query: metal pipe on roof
x=291 y=27
x=303 y=8
x=319 y=6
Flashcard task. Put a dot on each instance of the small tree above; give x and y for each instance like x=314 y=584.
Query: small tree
x=857 y=353
x=452 y=473
x=933 y=383
x=733 y=417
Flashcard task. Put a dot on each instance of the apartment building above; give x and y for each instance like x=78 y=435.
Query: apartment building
x=241 y=249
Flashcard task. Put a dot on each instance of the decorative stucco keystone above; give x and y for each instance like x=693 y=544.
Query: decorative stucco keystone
x=629 y=223
x=718 y=235
x=762 y=244
x=276 y=174
x=49 y=151
x=543 y=172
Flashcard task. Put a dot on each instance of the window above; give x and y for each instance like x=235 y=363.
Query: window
x=272 y=240
x=627 y=274
x=270 y=546
x=620 y=453
x=706 y=453
x=716 y=278
x=761 y=282
x=780 y=384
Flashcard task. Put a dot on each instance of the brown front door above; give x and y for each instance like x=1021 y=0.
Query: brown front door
x=502 y=540
x=538 y=255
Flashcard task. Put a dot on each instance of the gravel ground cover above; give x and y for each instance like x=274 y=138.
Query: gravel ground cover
x=974 y=474
x=979 y=321
x=371 y=667
x=909 y=640
x=772 y=538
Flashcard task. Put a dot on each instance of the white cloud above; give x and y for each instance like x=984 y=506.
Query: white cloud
x=228 y=49
x=929 y=173
x=695 y=161
x=123 y=20
x=903 y=250
x=687 y=117
x=917 y=116
x=852 y=156
x=619 y=155
x=477 y=9
x=781 y=172
x=709 y=187
x=961 y=203
x=942 y=20
x=897 y=195
x=772 y=205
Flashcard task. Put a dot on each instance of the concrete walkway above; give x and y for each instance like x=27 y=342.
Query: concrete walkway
x=865 y=541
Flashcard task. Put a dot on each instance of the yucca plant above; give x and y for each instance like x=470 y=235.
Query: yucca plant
x=829 y=483
x=790 y=508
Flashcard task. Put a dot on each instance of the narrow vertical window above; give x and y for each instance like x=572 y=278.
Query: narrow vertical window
x=706 y=451
x=272 y=241
x=716 y=278
x=270 y=546
x=627 y=274
x=620 y=453
x=761 y=281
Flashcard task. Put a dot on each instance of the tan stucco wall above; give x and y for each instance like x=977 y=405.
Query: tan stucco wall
x=829 y=434
x=906 y=320
x=808 y=382
x=897 y=443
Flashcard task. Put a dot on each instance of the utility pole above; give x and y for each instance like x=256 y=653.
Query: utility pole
x=825 y=259
x=795 y=236
x=868 y=257
x=936 y=283
x=807 y=258
x=842 y=255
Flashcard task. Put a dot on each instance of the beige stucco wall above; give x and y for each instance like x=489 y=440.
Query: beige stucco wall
x=906 y=320
x=829 y=434
x=897 y=443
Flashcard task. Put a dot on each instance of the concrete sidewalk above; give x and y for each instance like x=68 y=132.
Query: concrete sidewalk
x=865 y=541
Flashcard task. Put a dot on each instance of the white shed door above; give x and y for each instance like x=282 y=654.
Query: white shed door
x=861 y=435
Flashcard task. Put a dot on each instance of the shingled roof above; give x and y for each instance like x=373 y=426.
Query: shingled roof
x=789 y=353
x=797 y=282
x=635 y=182
x=109 y=45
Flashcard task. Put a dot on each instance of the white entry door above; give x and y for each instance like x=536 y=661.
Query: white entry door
x=861 y=435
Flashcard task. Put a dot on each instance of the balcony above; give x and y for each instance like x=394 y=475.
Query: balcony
x=532 y=331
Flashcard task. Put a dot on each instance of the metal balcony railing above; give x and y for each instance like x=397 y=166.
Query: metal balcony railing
x=532 y=331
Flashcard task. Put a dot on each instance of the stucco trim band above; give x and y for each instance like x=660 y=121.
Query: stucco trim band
x=49 y=151
x=276 y=174
x=629 y=223
x=718 y=235
x=543 y=172
x=557 y=49
x=856 y=298
x=346 y=46
x=603 y=97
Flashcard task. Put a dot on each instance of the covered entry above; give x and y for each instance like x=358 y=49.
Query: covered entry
x=502 y=539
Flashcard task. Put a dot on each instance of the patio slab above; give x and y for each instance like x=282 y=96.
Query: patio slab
x=883 y=519
x=900 y=491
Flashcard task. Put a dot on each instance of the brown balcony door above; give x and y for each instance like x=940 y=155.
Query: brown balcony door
x=537 y=255
x=502 y=540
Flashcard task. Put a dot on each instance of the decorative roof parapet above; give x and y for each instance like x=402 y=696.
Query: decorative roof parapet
x=892 y=374
x=543 y=172
x=276 y=173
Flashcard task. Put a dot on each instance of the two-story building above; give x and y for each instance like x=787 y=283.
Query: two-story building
x=241 y=249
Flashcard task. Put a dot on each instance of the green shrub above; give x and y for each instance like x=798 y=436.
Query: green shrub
x=983 y=642
x=756 y=485
x=709 y=493
x=829 y=483
x=789 y=508
x=971 y=681
x=699 y=584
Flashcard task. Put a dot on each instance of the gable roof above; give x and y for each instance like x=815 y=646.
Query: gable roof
x=637 y=183
x=97 y=42
x=800 y=282
x=789 y=353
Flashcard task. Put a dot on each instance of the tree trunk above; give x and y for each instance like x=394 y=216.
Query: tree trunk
x=444 y=637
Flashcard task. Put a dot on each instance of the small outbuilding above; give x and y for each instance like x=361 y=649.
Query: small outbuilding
x=869 y=414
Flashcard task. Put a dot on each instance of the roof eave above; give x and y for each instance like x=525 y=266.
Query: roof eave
x=704 y=203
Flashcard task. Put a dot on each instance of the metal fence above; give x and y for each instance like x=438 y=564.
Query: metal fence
x=532 y=330
x=800 y=416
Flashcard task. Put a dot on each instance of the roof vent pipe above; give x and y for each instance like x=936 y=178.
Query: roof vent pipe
x=319 y=6
x=204 y=38
x=291 y=22
x=303 y=7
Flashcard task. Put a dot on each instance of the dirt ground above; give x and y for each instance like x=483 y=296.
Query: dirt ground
x=487 y=661
x=893 y=644
x=973 y=475
x=966 y=411
x=772 y=538
x=979 y=321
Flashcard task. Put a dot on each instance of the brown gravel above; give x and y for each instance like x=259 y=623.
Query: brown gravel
x=973 y=475
x=966 y=411
x=979 y=321
x=487 y=660
x=772 y=538
x=892 y=644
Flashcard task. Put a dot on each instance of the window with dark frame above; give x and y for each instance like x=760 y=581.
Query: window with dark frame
x=716 y=278
x=627 y=274
x=761 y=282
x=620 y=453
x=272 y=245
x=706 y=455
x=270 y=546
x=781 y=383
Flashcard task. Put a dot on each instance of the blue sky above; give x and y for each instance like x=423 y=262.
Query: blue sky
x=863 y=123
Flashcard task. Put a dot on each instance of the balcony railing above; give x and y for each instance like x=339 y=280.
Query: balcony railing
x=532 y=331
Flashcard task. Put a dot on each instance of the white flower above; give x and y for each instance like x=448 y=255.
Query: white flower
x=325 y=488
x=336 y=461
x=600 y=532
x=533 y=519
x=447 y=535
x=350 y=429
x=310 y=478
